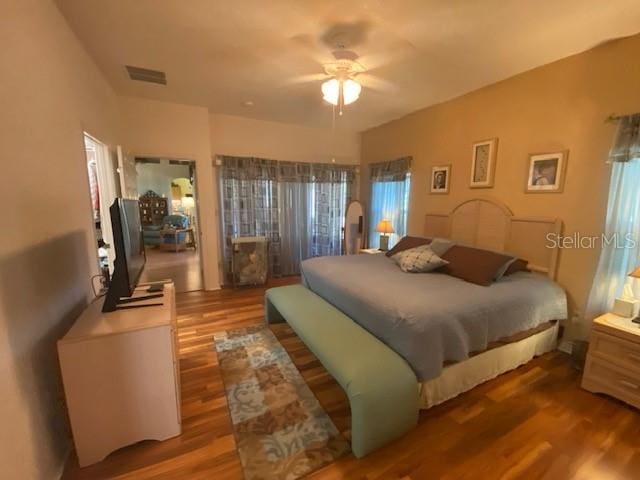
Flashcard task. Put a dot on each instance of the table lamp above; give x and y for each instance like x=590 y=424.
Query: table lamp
x=188 y=201
x=385 y=228
x=628 y=306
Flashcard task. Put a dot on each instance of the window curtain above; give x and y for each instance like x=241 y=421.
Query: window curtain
x=249 y=199
x=314 y=198
x=622 y=255
x=390 y=186
x=307 y=204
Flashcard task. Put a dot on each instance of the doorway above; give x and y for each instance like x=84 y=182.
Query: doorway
x=104 y=187
x=167 y=190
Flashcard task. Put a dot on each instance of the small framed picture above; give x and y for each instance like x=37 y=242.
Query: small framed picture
x=440 y=179
x=483 y=163
x=546 y=172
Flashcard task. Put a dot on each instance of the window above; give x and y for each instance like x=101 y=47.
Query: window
x=390 y=188
x=299 y=207
x=620 y=244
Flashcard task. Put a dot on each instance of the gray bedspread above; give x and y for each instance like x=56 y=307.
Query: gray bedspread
x=431 y=318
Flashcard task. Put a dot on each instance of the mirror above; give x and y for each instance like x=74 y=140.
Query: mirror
x=354 y=228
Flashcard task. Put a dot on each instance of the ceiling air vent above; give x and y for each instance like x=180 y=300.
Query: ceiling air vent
x=146 y=75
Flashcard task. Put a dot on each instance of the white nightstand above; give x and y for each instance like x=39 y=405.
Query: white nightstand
x=613 y=361
x=370 y=250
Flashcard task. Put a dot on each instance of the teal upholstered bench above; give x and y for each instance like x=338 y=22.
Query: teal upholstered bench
x=381 y=387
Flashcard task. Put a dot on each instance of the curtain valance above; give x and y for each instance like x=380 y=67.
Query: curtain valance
x=316 y=172
x=626 y=146
x=250 y=168
x=390 y=171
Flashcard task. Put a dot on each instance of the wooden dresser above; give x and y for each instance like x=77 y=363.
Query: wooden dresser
x=121 y=376
x=613 y=361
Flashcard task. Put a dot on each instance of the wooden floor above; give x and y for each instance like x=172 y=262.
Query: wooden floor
x=182 y=267
x=534 y=422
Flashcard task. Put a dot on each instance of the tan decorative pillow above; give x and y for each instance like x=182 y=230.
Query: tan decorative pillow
x=406 y=243
x=418 y=260
x=473 y=264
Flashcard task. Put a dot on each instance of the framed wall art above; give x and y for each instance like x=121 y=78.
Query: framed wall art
x=546 y=172
x=483 y=163
x=440 y=179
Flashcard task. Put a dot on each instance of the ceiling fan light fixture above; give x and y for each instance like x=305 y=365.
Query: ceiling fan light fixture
x=331 y=90
x=350 y=91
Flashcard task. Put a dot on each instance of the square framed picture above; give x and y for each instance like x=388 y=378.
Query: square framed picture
x=546 y=172
x=483 y=163
x=440 y=179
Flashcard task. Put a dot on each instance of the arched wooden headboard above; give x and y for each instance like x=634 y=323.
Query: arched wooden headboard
x=490 y=224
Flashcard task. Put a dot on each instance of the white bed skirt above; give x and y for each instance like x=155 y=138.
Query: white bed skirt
x=463 y=376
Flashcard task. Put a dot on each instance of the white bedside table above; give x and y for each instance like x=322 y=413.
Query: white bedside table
x=613 y=361
x=370 y=250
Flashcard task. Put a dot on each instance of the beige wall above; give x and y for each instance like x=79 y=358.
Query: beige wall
x=169 y=130
x=280 y=141
x=559 y=106
x=50 y=91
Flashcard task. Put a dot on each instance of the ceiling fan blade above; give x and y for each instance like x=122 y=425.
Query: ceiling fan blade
x=373 y=61
x=310 y=78
x=384 y=49
x=375 y=83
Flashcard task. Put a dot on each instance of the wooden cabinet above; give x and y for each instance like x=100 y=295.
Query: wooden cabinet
x=121 y=376
x=613 y=361
x=153 y=209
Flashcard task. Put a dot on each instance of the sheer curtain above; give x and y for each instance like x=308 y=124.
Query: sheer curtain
x=314 y=200
x=300 y=207
x=332 y=190
x=295 y=189
x=621 y=256
x=390 y=187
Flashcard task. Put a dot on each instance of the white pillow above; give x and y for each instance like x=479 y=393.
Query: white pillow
x=439 y=246
x=500 y=273
x=418 y=260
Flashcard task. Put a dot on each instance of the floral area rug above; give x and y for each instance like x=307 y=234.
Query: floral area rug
x=281 y=430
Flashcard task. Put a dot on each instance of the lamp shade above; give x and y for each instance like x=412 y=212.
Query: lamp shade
x=188 y=202
x=635 y=273
x=384 y=226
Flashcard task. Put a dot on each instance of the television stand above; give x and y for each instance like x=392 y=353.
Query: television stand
x=139 y=306
x=121 y=377
x=141 y=298
x=113 y=302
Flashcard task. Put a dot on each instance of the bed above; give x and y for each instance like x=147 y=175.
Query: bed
x=452 y=333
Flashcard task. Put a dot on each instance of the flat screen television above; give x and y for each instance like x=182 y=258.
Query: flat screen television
x=129 y=246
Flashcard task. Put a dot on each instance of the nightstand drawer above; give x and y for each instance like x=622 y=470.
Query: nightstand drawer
x=615 y=350
x=602 y=377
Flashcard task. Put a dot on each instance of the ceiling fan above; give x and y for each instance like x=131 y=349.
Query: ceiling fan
x=342 y=88
x=346 y=75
